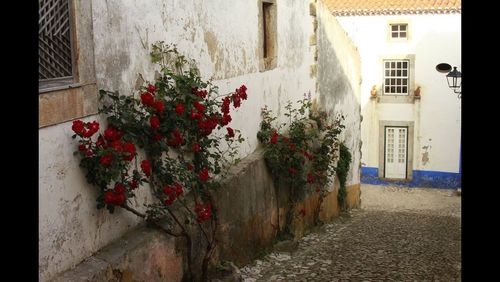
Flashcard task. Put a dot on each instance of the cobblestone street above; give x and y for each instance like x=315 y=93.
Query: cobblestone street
x=398 y=234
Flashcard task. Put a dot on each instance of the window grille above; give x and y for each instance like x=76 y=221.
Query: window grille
x=54 y=37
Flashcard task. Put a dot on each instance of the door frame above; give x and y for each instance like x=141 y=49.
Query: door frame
x=409 y=151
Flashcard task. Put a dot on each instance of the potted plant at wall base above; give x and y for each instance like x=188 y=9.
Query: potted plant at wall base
x=181 y=124
x=302 y=158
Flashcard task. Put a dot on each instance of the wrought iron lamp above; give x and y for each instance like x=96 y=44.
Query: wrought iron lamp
x=454 y=77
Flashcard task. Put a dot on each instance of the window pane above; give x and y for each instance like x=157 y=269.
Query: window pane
x=386 y=89
x=399 y=89
x=405 y=73
x=393 y=81
x=405 y=65
x=386 y=65
x=386 y=73
x=403 y=34
x=405 y=81
x=393 y=73
x=405 y=89
x=398 y=81
x=387 y=81
x=398 y=73
x=394 y=35
x=393 y=89
x=402 y=27
x=394 y=27
x=393 y=65
x=399 y=65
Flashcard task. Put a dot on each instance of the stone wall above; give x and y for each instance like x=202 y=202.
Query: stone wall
x=249 y=212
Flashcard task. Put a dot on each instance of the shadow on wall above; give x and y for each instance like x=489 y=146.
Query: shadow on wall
x=338 y=83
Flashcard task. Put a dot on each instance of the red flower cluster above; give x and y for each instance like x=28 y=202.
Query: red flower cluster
x=115 y=197
x=203 y=175
x=146 y=167
x=148 y=99
x=196 y=147
x=173 y=192
x=292 y=170
x=204 y=212
x=85 y=129
x=199 y=93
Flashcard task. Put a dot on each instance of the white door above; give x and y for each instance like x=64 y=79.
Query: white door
x=395 y=152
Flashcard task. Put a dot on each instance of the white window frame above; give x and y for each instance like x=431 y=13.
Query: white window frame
x=398 y=31
x=396 y=77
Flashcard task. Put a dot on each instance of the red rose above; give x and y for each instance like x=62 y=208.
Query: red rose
x=201 y=93
x=119 y=199
x=230 y=132
x=157 y=137
x=78 y=127
x=203 y=175
x=147 y=99
x=242 y=92
x=117 y=145
x=89 y=153
x=119 y=188
x=106 y=160
x=178 y=189
x=82 y=147
x=204 y=212
x=199 y=106
x=129 y=149
x=291 y=146
x=194 y=115
x=236 y=101
x=159 y=106
x=196 y=147
x=112 y=134
x=154 y=122
x=179 y=109
x=169 y=201
x=151 y=88
x=225 y=105
x=109 y=197
x=189 y=167
x=167 y=190
x=274 y=138
x=226 y=119
x=146 y=167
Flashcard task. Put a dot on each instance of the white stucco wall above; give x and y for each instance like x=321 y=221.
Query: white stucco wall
x=433 y=39
x=223 y=36
x=339 y=70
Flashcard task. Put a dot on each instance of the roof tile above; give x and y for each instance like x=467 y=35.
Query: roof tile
x=384 y=7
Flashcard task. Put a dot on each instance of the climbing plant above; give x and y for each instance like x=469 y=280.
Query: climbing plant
x=180 y=123
x=300 y=153
x=342 y=172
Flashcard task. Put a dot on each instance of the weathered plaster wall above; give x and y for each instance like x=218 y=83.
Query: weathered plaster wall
x=223 y=36
x=339 y=69
x=433 y=39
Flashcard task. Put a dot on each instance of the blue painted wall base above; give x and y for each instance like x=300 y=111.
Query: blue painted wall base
x=421 y=178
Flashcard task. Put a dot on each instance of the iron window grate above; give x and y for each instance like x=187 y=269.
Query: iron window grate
x=54 y=37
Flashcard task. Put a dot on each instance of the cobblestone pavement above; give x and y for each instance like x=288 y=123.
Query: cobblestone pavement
x=400 y=243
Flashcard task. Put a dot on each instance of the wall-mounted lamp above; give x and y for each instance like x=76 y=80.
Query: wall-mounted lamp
x=454 y=77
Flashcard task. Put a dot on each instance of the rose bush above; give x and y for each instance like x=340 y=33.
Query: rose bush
x=180 y=122
x=302 y=153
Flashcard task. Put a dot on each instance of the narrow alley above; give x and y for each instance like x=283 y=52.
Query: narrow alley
x=398 y=234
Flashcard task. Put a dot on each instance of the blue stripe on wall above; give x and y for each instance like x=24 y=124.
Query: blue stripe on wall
x=421 y=178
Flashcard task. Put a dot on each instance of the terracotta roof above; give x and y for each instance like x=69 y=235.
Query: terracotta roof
x=392 y=7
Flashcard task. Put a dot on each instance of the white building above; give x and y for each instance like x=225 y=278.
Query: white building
x=411 y=123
